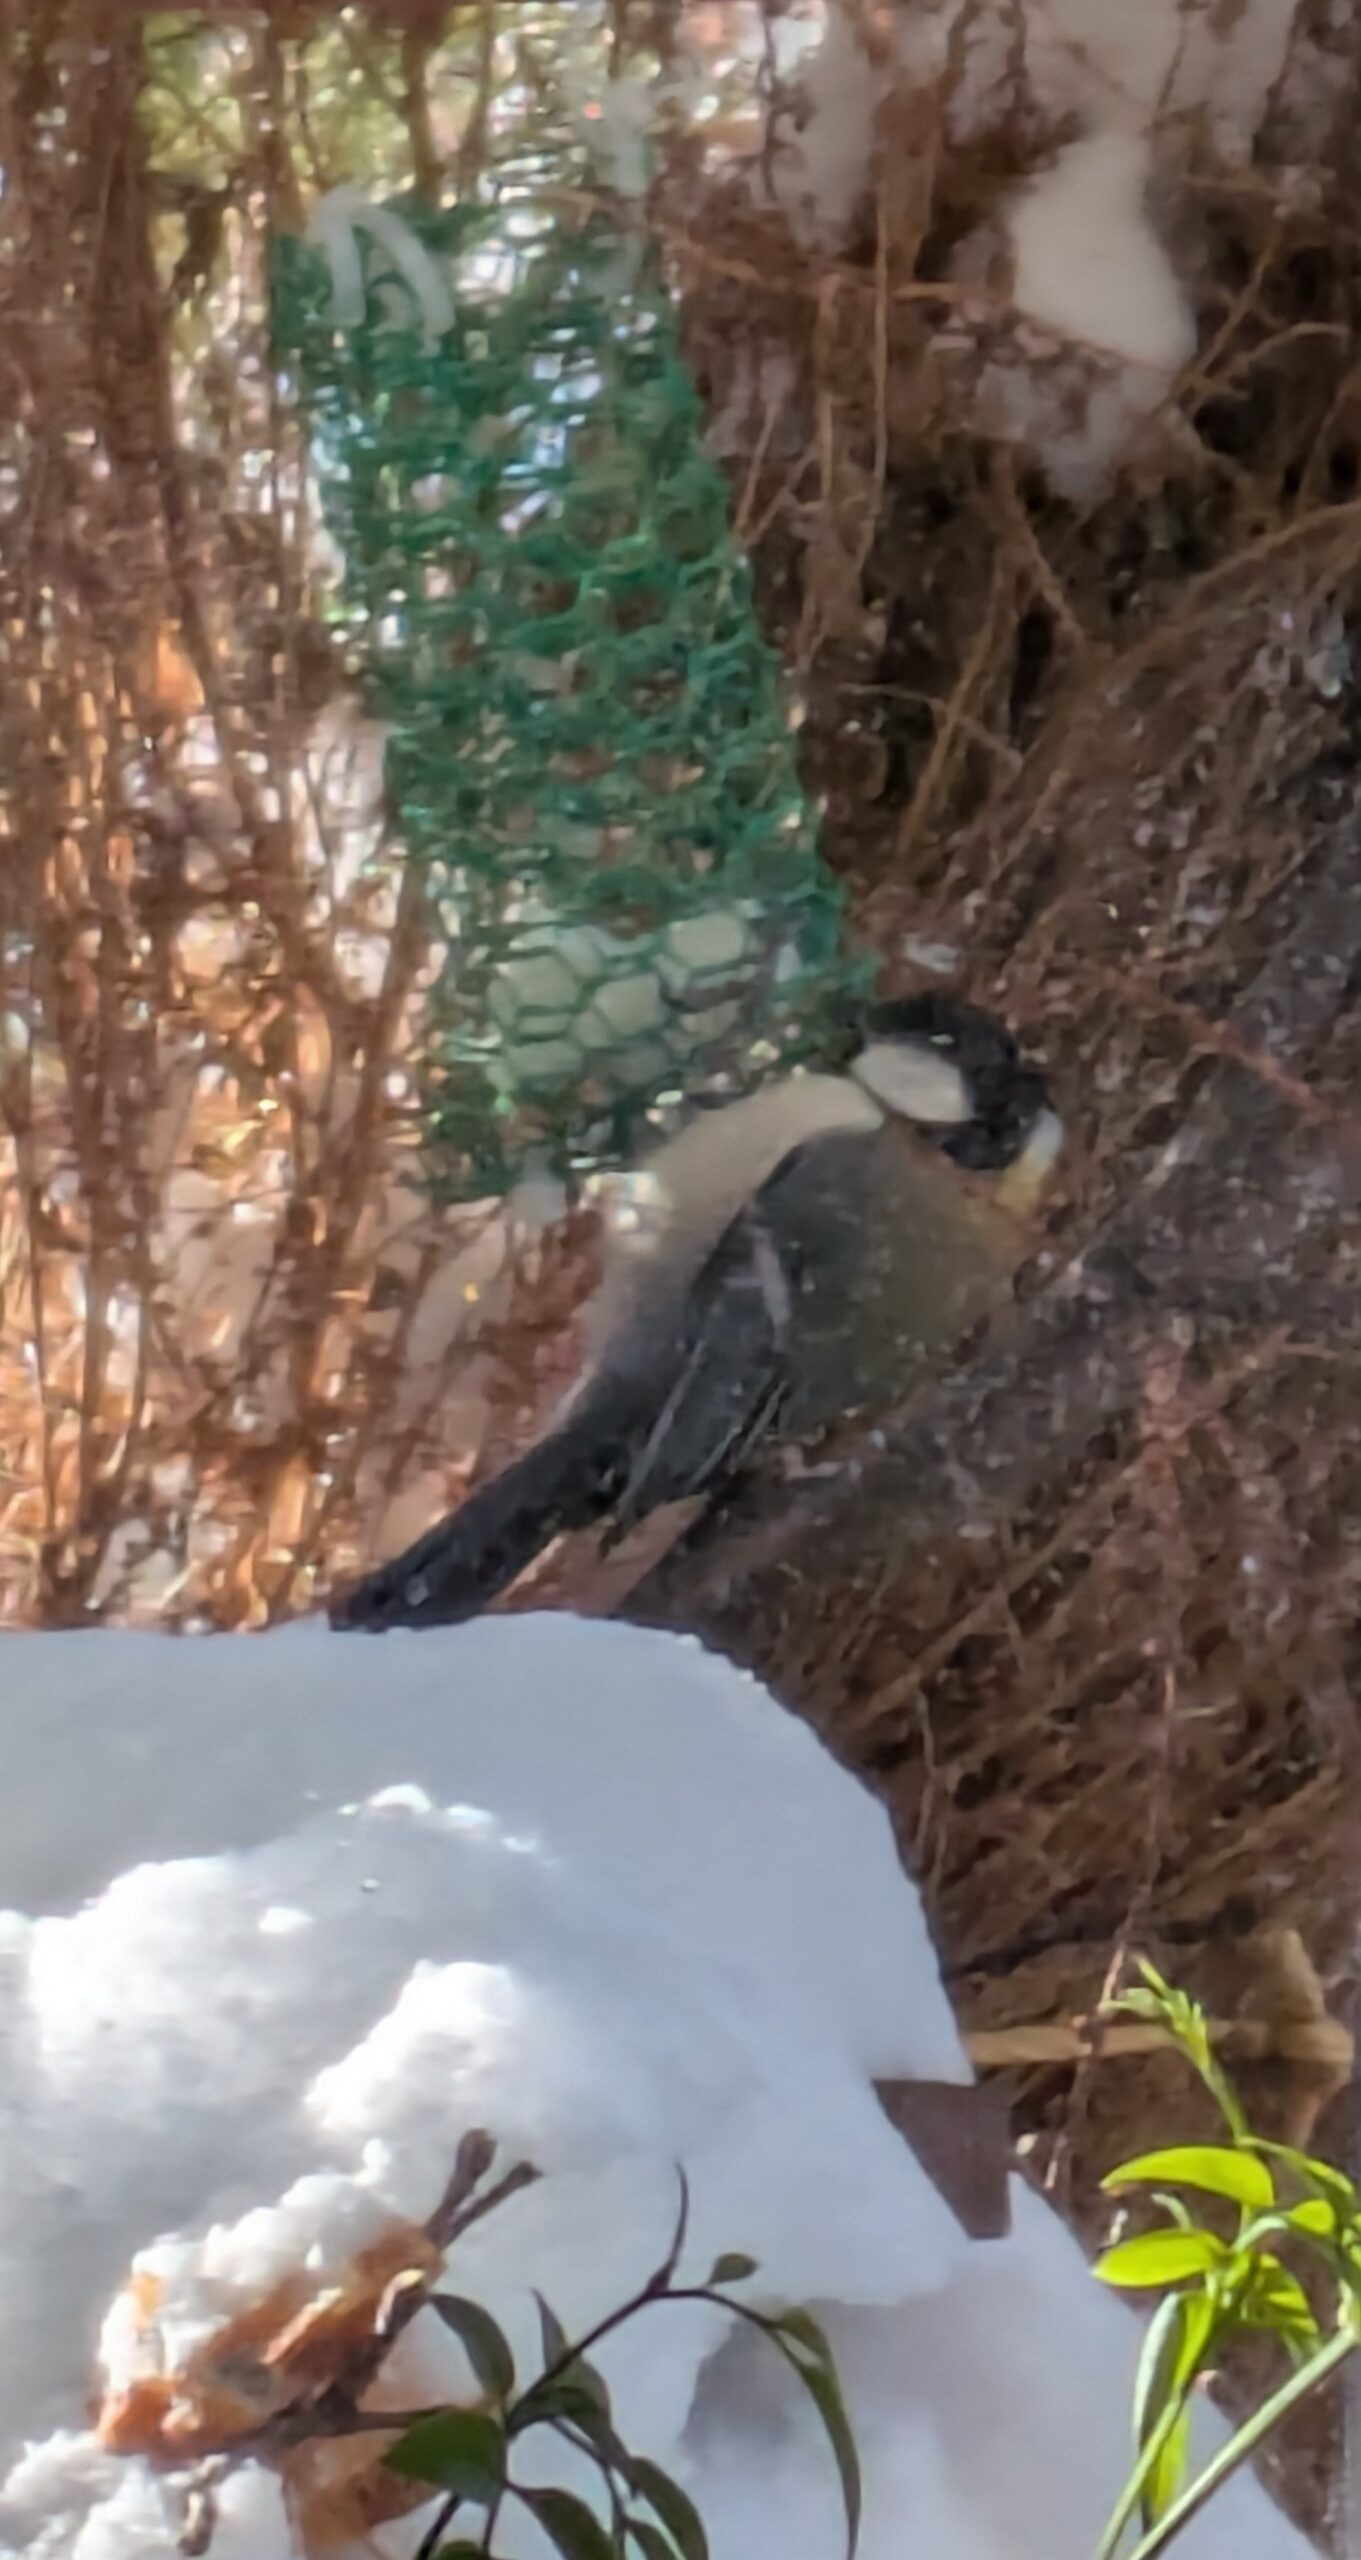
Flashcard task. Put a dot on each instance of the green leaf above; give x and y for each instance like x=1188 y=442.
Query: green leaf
x=1174 y=2344
x=483 y=2341
x=1179 y=2337
x=569 y=2524
x=668 y=2500
x=651 y=2541
x=1320 y=2179
x=1316 y=2213
x=460 y=2450
x=1277 y=2300
x=1156 y=1981
x=557 y=2346
x=591 y=2385
x=1263 y=2227
x=660 y=2280
x=1161 y=2257
x=1155 y=2371
x=1244 y=2442
x=824 y=2390
x=731 y=2268
x=802 y=2342
x=1167 y=2471
x=578 y=2393
x=1185 y=2022
x=1211 y=2168
x=799 y=2332
x=1176 y=2209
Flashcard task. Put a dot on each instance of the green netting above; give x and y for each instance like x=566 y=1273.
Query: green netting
x=591 y=750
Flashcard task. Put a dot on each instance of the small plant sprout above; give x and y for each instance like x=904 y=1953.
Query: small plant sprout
x=1223 y=2284
x=468 y=2453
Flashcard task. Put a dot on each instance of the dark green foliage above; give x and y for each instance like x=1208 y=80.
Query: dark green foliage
x=469 y=2453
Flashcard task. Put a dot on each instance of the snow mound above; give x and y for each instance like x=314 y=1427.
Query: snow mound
x=289 y=1915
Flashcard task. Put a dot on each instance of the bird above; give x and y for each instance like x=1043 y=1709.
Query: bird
x=788 y=1260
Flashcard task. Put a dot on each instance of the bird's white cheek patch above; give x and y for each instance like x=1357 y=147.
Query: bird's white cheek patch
x=916 y=1081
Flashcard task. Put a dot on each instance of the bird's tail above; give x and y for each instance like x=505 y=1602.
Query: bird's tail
x=567 y=1480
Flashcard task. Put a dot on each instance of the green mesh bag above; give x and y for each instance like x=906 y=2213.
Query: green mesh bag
x=590 y=752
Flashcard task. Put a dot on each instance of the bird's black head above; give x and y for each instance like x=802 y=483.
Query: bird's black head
x=958 y=1075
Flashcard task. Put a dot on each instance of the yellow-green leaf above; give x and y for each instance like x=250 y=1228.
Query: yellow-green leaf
x=1174 y=2344
x=1161 y=2257
x=1315 y=2174
x=1166 y=2476
x=1316 y=2214
x=1211 y=2168
x=1277 y=2299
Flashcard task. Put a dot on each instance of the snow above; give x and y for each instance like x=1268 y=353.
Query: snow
x=822 y=179
x=289 y=1914
x=1116 y=69
x=1090 y=263
x=1090 y=269
x=1123 y=70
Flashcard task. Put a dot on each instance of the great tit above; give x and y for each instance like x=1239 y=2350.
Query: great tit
x=785 y=1262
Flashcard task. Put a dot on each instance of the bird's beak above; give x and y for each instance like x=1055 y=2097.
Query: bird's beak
x=1022 y=1187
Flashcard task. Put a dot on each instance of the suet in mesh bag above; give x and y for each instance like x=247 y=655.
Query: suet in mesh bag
x=590 y=747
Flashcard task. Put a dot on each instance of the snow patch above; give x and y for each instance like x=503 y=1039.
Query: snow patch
x=310 y=1908
x=1135 y=82
x=1090 y=268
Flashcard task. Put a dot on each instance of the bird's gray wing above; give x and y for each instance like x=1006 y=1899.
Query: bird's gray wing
x=664 y=1419
x=566 y=1480
x=669 y=1412
x=731 y=1381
